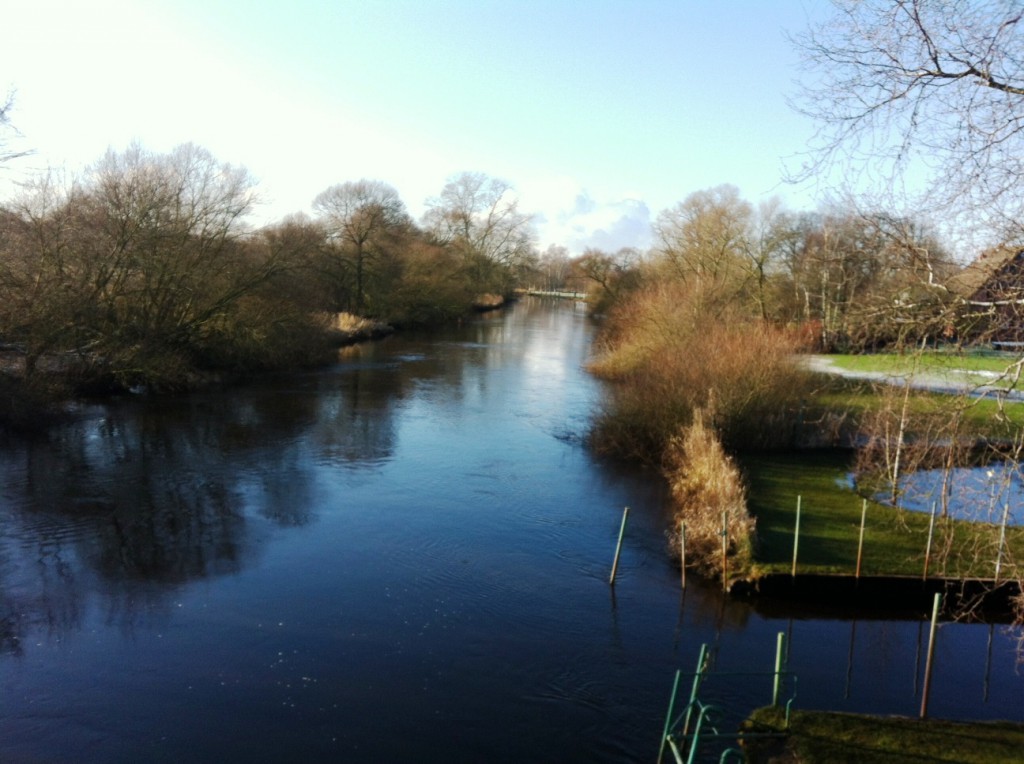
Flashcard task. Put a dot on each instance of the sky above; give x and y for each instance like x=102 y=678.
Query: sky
x=600 y=114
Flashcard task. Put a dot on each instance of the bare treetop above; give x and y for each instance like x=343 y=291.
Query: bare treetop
x=928 y=86
x=7 y=130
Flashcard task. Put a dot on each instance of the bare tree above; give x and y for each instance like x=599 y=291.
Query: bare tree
x=702 y=239
x=360 y=217
x=554 y=267
x=607 y=277
x=138 y=271
x=929 y=86
x=479 y=216
x=718 y=243
x=7 y=130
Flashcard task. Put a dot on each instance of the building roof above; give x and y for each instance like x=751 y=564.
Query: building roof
x=972 y=278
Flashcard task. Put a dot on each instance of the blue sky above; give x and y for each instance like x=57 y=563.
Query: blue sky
x=600 y=114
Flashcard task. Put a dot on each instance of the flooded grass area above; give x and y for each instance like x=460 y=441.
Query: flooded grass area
x=895 y=540
x=988 y=494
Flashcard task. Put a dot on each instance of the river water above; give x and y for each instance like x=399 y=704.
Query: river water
x=404 y=557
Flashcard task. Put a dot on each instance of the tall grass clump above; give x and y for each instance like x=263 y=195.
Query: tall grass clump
x=707 y=494
x=668 y=353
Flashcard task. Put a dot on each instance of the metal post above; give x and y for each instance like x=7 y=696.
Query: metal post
x=796 y=535
x=780 y=647
x=695 y=743
x=928 y=548
x=931 y=655
x=618 y=546
x=698 y=678
x=860 y=544
x=668 y=717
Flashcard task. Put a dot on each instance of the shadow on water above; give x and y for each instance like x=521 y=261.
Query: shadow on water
x=402 y=557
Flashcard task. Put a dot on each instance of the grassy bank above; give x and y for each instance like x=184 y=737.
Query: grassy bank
x=814 y=737
x=851 y=400
x=937 y=361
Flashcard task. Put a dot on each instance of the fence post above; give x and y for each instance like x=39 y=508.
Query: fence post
x=928 y=548
x=931 y=655
x=618 y=546
x=1002 y=539
x=860 y=543
x=796 y=535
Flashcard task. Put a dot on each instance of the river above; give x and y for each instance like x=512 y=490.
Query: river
x=403 y=557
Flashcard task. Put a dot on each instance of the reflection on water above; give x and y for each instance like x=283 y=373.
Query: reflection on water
x=402 y=557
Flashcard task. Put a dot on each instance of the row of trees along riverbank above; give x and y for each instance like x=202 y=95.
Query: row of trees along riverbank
x=145 y=272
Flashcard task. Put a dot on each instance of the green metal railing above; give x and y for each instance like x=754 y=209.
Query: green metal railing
x=699 y=722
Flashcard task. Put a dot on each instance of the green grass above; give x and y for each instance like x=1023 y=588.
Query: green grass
x=892 y=363
x=894 y=540
x=983 y=417
x=817 y=737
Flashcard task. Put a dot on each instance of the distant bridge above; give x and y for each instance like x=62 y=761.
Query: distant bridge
x=549 y=293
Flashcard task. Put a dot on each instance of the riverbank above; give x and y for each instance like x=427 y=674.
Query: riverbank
x=818 y=737
x=871 y=597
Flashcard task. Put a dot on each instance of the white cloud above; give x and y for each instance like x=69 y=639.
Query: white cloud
x=577 y=218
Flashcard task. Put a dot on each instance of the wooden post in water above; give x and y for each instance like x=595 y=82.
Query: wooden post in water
x=931 y=655
x=618 y=546
x=682 y=554
x=860 y=543
x=1002 y=539
x=796 y=535
x=928 y=548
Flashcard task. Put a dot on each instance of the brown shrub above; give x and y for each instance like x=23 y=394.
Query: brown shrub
x=707 y=493
x=669 y=353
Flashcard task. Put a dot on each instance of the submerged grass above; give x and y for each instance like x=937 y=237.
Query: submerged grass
x=818 y=737
x=895 y=540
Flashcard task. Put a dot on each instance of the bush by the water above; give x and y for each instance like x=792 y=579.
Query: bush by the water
x=707 y=494
x=668 y=353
